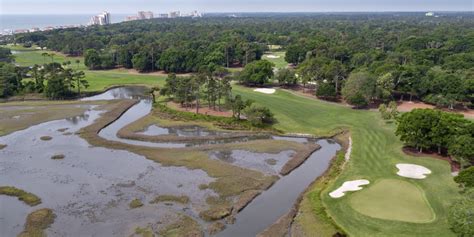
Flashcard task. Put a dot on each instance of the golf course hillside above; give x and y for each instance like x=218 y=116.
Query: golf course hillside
x=390 y=205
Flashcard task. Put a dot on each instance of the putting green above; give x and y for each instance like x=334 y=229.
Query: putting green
x=393 y=199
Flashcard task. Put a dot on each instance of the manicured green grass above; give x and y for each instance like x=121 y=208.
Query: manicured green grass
x=375 y=152
x=32 y=56
x=393 y=199
x=98 y=80
x=279 y=62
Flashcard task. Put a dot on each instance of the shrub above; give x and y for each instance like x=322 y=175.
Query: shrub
x=466 y=177
x=258 y=115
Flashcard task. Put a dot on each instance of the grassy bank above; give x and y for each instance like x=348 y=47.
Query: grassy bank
x=26 y=197
x=375 y=152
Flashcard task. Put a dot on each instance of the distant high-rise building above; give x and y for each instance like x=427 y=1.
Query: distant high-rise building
x=174 y=14
x=145 y=15
x=101 y=19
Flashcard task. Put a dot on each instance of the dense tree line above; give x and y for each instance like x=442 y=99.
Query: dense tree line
x=427 y=129
x=54 y=80
x=403 y=55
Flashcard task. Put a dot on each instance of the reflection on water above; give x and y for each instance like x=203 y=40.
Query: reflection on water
x=182 y=131
x=87 y=191
x=265 y=209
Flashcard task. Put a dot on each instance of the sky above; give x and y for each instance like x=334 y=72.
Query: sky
x=132 y=6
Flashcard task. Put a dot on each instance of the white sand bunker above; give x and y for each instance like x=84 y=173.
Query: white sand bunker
x=265 y=90
x=272 y=56
x=353 y=185
x=412 y=171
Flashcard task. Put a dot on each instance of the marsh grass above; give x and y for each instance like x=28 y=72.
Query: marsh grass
x=135 y=203
x=26 y=197
x=170 y=198
x=37 y=222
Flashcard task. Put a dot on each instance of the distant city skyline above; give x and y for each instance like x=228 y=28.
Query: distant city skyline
x=158 y=6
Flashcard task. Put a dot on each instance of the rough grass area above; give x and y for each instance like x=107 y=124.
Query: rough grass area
x=170 y=198
x=16 y=116
x=26 y=197
x=135 y=203
x=393 y=200
x=37 y=222
x=186 y=226
x=375 y=152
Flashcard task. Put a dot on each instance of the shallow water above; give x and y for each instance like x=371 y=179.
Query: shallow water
x=91 y=188
x=255 y=161
x=181 y=131
x=266 y=208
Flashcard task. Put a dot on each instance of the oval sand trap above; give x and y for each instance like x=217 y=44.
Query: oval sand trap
x=272 y=56
x=392 y=199
x=265 y=90
x=412 y=171
x=353 y=185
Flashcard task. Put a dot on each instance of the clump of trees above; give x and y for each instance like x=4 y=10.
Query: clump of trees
x=460 y=214
x=427 y=129
x=54 y=80
x=465 y=177
x=213 y=88
x=258 y=115
x=256 y=73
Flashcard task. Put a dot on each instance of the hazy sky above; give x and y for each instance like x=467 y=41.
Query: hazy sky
x=131 y=6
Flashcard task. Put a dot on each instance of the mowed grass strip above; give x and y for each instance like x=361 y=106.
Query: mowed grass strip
x=375 y=152
x=393 y=199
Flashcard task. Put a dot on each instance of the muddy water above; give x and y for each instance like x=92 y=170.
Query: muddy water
x=275 y=202
x=90 y=189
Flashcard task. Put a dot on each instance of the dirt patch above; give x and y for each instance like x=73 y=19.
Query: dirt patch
x=58 y=157
x=46 y=138
x=407 y=106
x=170 y=198
x=26 y=197
x=37 y=222
x=299 y=158
x=2 y=146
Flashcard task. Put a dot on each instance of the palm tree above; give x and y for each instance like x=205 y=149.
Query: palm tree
x=44 y=57
x=52 y=57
